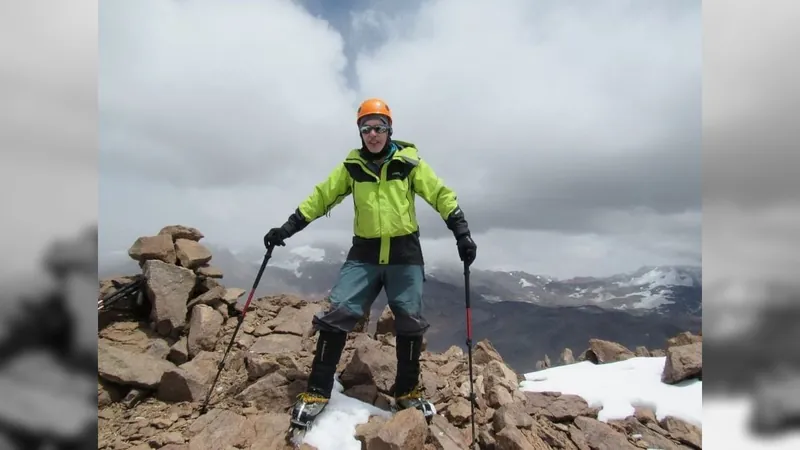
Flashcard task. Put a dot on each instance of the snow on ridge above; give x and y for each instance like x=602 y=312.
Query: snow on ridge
x=296 y=257
x=491 y=298
x=525 y=283
x=602 y=297
x=290 y=265
x=429 y=271
x=659 y=277
x=578 y=293
x=309 y=253
x=650 y=300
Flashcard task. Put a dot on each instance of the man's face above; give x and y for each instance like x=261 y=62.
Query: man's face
x=375 y=134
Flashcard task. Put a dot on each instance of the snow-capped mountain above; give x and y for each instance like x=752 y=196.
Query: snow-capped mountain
x=649 y=289
x=659 y=289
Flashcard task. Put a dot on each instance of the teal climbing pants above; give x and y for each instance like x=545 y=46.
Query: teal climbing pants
x=359 y=285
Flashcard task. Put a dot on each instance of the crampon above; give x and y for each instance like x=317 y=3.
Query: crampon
x=307 y=408
x=415 y=399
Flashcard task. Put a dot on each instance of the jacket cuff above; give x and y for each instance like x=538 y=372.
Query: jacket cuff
x=457 y=223
x=296 y=222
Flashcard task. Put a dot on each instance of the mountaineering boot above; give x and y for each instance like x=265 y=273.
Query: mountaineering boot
x=310 y=403
x=408 y=393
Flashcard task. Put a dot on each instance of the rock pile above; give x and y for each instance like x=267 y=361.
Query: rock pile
x=154 y=374
x=179 y=277
x=684 y=356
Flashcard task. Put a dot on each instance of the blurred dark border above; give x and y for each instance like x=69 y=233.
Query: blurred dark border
x=751 y=218
x=47 y=133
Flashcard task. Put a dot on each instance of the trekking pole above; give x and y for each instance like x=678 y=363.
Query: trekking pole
x=124 y=291
x=469 y=351
x=221 y=364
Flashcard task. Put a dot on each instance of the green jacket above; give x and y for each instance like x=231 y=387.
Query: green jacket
x=385 y=225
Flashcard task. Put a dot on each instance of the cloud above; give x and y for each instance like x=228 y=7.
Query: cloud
x=546 y=118
x=565 y=113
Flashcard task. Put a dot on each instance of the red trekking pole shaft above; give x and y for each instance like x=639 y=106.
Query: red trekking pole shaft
x=469 y=351
x=238 y=325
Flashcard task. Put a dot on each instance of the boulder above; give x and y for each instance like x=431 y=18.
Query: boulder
x=192 y=254
x=277 y=343
x=601 y=351
x=168 y=289
x=684 y=338
x=207 y=270
x=371 y=363
x=406 y=430
x=683 y=362
x=190 y=381
x=232 y=295
x=204 y=329
x=128 y=368
x=147 y=248
x=567 y=357
x=181 y=232
x=385 y=322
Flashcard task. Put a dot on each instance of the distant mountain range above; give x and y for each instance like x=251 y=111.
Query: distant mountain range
x=524 y=315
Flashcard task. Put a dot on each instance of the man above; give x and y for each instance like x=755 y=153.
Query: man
x=383 y=176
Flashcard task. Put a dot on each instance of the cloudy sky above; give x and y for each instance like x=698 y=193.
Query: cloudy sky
x=571 y=132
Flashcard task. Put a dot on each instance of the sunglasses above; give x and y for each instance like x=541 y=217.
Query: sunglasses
x=380 y=129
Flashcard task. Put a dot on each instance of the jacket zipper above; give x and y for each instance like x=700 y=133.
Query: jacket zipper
x=380 y=210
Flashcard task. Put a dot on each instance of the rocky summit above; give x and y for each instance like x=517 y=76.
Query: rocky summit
x=157 y=361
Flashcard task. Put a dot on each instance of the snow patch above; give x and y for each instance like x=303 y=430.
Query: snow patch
x=335 y=427
x=525 y=283
x=602 y=297
x=579 y=293
x=534 y=298
x=309 y=253
x=649 y=300
x=296 y=257
x=659 y=277
x=292 y=265
x=429 y=271
x=618 y=387
x=491 y=298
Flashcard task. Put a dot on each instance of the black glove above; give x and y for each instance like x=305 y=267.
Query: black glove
x=466 y=246
x=467 y=250
x=275 y=237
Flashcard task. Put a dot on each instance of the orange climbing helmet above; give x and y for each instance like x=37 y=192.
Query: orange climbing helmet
x=374 y=106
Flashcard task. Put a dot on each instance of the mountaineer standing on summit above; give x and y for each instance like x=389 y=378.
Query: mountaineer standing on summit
x=384 y=175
